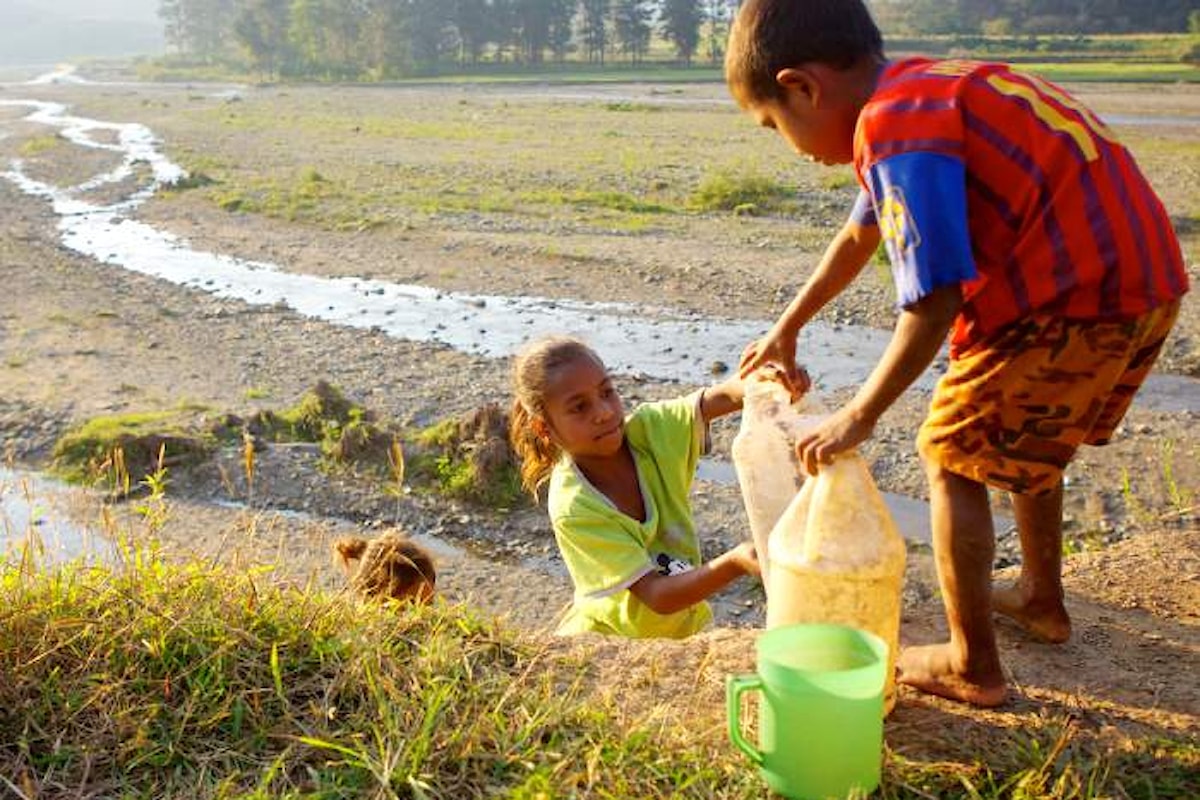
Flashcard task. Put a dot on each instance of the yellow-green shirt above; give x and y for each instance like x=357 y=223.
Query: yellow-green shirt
x=607 y=551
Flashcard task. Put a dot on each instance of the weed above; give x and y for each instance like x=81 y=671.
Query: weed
x=38 y=145
x=745 y=194
x=469 y=458
x=191 y=180
x=152 y=679
x=1181 y=498
x=839 y=179
x=627 y=106
x=138 y=444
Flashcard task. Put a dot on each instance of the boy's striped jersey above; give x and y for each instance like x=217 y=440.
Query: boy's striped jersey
x=1006 y=184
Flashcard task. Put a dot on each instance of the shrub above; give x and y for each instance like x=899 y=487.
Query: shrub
x=742 y=194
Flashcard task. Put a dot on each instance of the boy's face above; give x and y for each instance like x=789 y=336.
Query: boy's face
x=821 y=131
x=584 y=411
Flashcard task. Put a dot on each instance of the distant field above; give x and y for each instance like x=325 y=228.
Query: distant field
x=1136 y=58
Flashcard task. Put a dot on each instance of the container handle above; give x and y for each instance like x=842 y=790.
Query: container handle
x=735 y=687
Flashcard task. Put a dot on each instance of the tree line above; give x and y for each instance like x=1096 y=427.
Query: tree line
x=376 y=39
x=1000 y=17
x=392 y=38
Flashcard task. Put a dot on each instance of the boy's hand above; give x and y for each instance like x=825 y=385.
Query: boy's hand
x=746 y=558
x=843 y=430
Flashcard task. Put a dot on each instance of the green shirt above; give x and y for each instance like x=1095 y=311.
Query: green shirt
x=607 y=551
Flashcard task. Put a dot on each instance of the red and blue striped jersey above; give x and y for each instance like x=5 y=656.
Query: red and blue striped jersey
x=1006 y=184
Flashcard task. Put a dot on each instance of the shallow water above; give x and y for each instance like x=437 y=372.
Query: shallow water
x=41 y=513
x=632 y=339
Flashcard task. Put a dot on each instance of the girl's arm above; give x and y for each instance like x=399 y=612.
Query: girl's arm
x=721 y=399
x=666 y=594
x=843 y=260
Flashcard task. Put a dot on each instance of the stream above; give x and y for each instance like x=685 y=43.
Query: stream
x=637 y=340
x=632 y=339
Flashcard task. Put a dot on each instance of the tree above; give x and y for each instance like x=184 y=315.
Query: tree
x=561 y=12
x=680 y=21
x=474 y=27
x=200 y=28
x=430 y=32
x=631 y=28
x=326 y=37
x=532 y=29
x=717 y=15
x=261 y=26
x=595 y=29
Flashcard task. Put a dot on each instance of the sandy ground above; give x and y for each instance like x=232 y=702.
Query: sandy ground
x=79 y=339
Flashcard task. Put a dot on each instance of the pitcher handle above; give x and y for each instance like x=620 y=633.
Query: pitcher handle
x=735 y=687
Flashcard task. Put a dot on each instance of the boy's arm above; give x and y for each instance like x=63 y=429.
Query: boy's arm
x=843 y=260
x=666 y=594
x=920 y=333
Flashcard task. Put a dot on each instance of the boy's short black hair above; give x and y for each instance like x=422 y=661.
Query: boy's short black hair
x=771 y=35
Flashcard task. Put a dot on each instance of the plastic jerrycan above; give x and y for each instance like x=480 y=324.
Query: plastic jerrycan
x=764 y=457
x=837 y=557
x=820 y=720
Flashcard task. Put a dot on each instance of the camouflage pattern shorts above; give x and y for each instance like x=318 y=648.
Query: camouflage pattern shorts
x=1012 y=409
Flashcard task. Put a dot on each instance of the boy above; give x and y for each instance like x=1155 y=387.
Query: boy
x=1010 y=215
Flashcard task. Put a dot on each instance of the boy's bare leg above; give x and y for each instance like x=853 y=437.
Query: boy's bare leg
x=1035 y=601
x=967 y=667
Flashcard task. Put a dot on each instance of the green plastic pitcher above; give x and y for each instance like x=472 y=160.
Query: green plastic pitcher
x=821 y=717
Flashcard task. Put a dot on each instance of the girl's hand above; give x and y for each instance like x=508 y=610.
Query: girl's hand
x=843 y=430
x=746 y=558
x=777 y=352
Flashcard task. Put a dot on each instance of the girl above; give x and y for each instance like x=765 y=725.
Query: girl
x=618 y=496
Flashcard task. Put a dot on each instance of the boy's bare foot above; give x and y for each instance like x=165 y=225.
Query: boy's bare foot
x=1047 y=622
x=932 y=669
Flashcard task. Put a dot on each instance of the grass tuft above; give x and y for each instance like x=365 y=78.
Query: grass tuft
x=142 y=442
x=742 y=194
x=153 y=680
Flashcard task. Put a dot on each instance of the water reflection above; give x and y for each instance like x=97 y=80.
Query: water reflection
x=42 y=515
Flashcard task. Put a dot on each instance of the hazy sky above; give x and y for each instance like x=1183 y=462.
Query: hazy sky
x=145 y=10
x=48 y=31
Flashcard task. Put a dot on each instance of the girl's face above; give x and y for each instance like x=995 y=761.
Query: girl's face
x=584 y=411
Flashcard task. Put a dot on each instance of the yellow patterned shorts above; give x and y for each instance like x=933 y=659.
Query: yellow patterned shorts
x=1012 y=409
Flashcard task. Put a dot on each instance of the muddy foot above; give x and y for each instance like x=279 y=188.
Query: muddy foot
x=1046 y=623
x=931 y=669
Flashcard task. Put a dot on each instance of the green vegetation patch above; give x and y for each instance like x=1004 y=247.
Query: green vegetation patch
x=742 y=194
x=124 y=449
x=191 y=681
x=348 y=434
x=465 y=457
x=157 y=680
x=37 y=145
x=468 y=458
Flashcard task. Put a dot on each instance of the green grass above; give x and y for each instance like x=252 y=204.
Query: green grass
x=747 y=194
x=183 y=681
x=38 y=145
x=153 y=679
x=1113 y=72
x=125 y=447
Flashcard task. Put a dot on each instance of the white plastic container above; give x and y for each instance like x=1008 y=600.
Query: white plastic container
x=765 y=459
x=837 y=557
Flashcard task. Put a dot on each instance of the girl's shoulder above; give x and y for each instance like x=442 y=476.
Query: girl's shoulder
x=675 y=413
